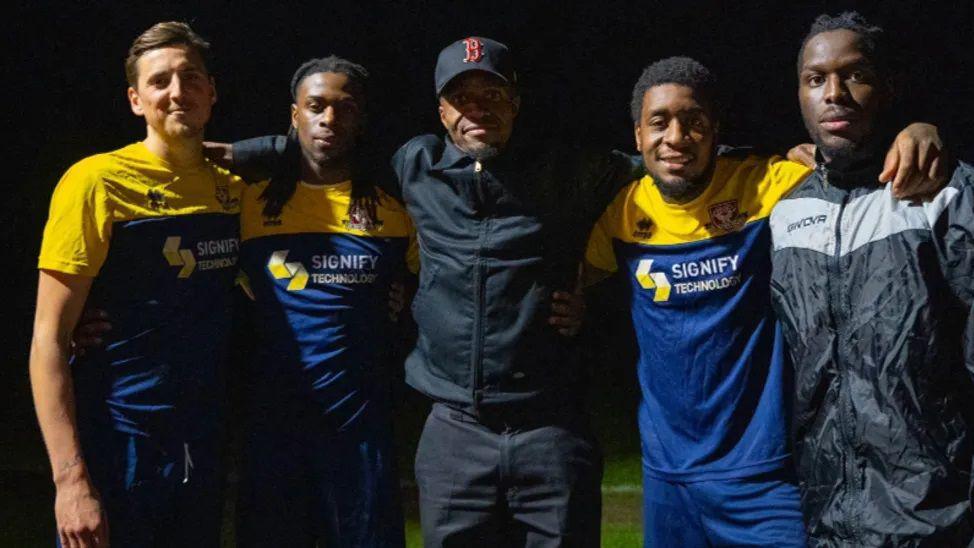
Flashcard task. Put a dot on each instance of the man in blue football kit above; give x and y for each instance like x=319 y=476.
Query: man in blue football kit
x=320 y=247
x=693 y=240
x=148 y=233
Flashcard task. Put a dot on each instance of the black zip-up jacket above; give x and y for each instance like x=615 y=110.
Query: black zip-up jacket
x=874 y=296
x=496 y=238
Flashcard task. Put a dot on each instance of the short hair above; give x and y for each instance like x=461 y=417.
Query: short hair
x=872 y=38
x=357 y=74
x=162 y=35
x=675 y=70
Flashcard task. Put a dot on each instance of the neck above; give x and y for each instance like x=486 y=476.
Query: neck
x=185 y=152
x=325 y=174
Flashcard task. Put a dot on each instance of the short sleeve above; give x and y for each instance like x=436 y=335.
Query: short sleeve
x=78 y=229
x=599 y=251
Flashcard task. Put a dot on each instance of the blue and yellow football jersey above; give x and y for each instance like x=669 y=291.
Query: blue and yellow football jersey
x=710 y=355
x=162 y=245
x=319 y=274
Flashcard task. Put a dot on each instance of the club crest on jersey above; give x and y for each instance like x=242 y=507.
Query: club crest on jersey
x=156 y=199
x=644 y=229
x=359 y=219
x=474 y=50
x=223 y=196
x=726 y=216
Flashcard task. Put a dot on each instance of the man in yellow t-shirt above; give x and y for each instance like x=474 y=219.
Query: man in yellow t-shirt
x=148 y=233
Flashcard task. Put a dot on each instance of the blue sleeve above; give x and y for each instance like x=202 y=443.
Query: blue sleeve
x=262 y=157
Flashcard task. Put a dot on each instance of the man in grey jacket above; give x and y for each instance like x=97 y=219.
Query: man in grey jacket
x=874 y=295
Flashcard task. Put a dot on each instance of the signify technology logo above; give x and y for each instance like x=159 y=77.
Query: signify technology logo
x=282 y=270
x=653 y=280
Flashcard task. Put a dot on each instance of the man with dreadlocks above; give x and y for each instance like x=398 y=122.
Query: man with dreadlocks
x=320 y=246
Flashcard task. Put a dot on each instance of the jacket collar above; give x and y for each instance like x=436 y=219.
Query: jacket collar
x=451 y=157
x=852 y=172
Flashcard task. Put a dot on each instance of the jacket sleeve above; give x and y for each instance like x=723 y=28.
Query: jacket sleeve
x=954 y=232
x=263 y=157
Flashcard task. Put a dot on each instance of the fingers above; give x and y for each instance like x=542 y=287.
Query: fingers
x=890 y=164
x=803 y=154
x=906 y=170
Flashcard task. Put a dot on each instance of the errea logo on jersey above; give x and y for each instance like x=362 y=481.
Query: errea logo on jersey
x=282 y=270
x=653 y=280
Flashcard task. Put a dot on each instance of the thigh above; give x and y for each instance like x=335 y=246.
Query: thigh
x=457 y=474
x=554 y=484
x=276 y=490
x=359 y=504
x=669 y=517
x=761 y=510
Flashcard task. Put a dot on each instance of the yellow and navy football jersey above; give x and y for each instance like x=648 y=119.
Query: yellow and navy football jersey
x=319 y=274
x=162 y=245
x=710 y=355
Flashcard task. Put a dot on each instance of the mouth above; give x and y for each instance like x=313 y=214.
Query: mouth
x=837 y=122
x=325 y=141
x=676 y=162
x=475 y=130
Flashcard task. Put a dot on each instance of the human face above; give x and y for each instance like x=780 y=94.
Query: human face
x=840 y=91
x=478 y=110
x=327 y=116
x=174 y=92
x=675 y=134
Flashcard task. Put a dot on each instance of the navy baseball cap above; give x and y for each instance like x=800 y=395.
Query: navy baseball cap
x=474 y=53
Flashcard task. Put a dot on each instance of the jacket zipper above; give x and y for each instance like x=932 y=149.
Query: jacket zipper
x=838 y=313
x=479 y=297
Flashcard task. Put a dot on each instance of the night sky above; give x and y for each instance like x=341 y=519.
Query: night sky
x=578 y=61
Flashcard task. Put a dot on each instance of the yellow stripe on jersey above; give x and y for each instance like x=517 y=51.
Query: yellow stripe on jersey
x=742 y=191
x=123 y=185
x=325 y=209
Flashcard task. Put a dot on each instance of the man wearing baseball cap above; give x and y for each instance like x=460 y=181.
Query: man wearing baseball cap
x=506 y=456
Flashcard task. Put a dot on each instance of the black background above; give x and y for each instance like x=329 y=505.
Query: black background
x=65 y=98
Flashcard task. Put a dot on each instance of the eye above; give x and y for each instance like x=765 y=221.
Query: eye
x=858 y=76
x=315 y=106
x=815 y=80
x=657 y=123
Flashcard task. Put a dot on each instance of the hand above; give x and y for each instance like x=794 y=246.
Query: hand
x=89 y=333
x=567 y=311
x=219 y=153
x=915 y=163
x=397 y=300
x=81 y=523
x=803 y=154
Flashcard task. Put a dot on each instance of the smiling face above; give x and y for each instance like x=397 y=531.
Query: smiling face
x=174 y=92
x=841 y=92
x=327 y=116
x=675 y=134
x=478 y=110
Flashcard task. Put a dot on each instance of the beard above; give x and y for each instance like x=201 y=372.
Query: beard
x=678 y=190
x=482 y=151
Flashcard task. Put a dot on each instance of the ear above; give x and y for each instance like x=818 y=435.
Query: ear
x=517 y=104
x=294 y=116
x=135 y=103
x=639 y=139
x=442 y=113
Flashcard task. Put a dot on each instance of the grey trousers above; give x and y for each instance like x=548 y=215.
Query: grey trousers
x=531 y=481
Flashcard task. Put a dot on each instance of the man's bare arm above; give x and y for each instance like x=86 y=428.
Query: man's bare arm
x=77 y=508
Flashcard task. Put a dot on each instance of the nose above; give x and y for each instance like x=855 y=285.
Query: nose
x=176 y=87
x=327 y=117
x=835 y=90
x=676 y=132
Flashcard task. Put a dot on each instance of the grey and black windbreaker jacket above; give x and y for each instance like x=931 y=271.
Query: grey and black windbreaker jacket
x=874 y=297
